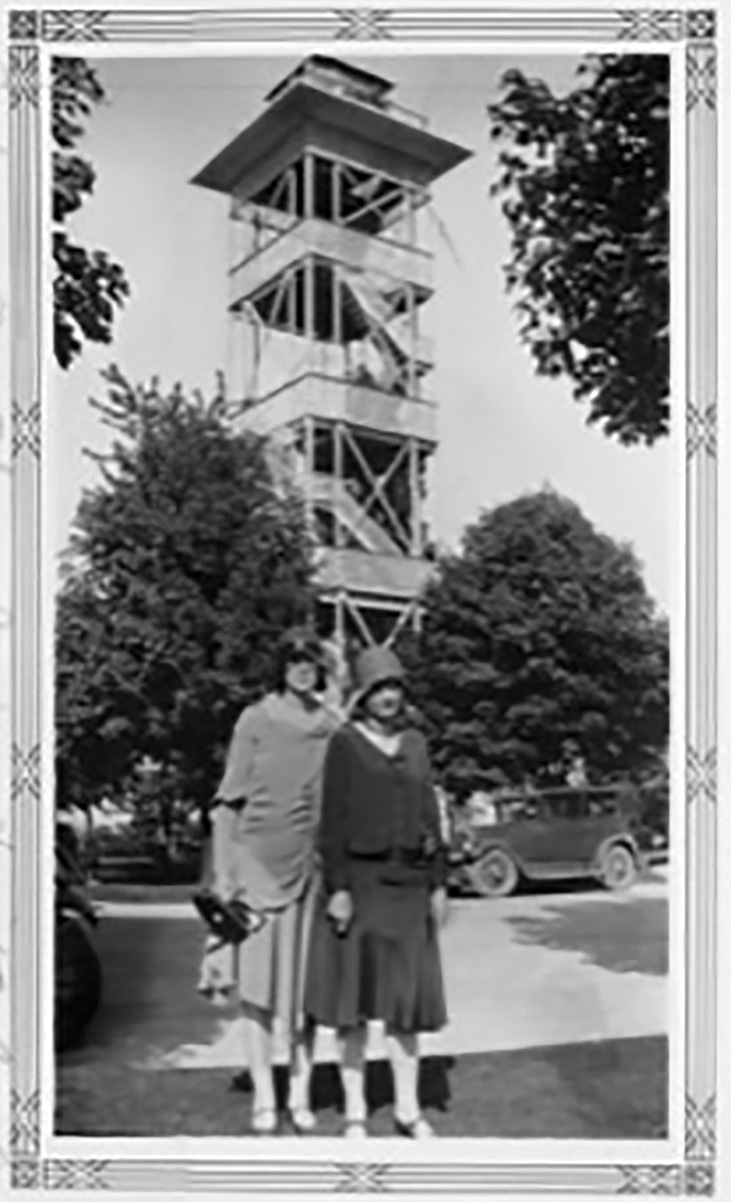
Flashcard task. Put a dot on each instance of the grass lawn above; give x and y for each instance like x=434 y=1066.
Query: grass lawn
x=616 y=1089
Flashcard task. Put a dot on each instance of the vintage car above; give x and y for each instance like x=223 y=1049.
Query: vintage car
x=554 y=834
x=78 y=974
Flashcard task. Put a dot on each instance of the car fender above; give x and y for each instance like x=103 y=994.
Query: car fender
x=621 y=839
x=86 y=921
x=482 y=849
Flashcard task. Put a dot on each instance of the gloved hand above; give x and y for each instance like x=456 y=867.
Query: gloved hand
x=340 y=910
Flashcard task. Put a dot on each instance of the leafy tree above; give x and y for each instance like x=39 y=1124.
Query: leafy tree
x=585 y=181
x=539 y=633
x=184 y=566
x=88 y=284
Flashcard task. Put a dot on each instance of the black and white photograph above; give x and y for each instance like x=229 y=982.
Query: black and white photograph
x=374 y=778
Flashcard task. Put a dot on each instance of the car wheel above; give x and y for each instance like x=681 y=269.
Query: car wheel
x=618 y=868
x=495 y=874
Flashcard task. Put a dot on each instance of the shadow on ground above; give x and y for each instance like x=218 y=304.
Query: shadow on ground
x=648 y=876
x=327 y=1093
x=627 y=937
x=566 y=885
x=615 y=1089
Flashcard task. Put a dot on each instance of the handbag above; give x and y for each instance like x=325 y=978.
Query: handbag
x=229 y=921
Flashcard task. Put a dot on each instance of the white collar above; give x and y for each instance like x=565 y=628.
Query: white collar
x=388 y=744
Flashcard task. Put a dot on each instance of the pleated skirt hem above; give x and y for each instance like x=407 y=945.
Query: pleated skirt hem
x=387 y=967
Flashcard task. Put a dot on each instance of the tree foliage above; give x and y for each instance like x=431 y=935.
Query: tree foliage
x=539 y=632
x=584 y=180
x=88 y=285
x=185 y=565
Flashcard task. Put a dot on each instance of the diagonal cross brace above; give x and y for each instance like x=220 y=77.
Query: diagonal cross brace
x=378 y=483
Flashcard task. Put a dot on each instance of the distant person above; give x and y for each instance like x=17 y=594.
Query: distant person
x=374 y=953
x=572 y=767
x=576 y=775
x=264 y=822
x=202 y=827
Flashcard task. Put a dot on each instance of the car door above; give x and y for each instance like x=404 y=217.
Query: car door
x=583 y=830
x=607 y=819
x=571 y=836
x=530 y=835
x=584 y=819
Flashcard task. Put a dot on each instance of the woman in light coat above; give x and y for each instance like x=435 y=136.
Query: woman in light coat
x=264 y=821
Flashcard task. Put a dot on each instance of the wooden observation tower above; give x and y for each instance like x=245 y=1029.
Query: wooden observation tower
x=327 y=188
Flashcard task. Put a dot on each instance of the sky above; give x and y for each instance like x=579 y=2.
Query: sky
x=503 y=430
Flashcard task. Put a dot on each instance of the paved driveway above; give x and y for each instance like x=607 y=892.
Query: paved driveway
x=527 y=971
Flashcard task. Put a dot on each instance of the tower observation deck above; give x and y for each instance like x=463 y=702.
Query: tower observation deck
x=328 y=278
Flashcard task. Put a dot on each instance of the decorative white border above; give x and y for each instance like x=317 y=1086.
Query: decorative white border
x=33 y=34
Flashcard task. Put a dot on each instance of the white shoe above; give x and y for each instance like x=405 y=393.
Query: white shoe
x=416 y=1128
x=264 y=1121
x=302 y=1119
x=355 y=1129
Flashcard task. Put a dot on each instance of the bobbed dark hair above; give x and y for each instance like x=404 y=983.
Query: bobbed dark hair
x=298 y=641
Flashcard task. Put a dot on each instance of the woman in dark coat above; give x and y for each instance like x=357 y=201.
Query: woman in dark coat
x=374 y=953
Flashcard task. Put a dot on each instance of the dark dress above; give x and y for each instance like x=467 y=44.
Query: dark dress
x=379 y=839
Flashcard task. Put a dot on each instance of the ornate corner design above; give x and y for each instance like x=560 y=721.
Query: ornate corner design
x=26 y=430
x=700 y=62
x=700 y=1127
x=25 y=772
x=651 y=25
x=25 y=1173
x=701 y=779
x=362 y=1178
x=75 y=1174
x=74 y=25
x=24 y=25
x=362 y=24
x=700 y=24
x=700 y=1180
x=651 y=1179
x=23 y=76
x=700 y=430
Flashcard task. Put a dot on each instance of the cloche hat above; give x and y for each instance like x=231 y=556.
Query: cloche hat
x=375 y=666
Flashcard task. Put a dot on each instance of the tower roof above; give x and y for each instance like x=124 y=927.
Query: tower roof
x=330 y=106
x=333 y=71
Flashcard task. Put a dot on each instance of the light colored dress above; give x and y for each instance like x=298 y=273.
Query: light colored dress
x=275 y=766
